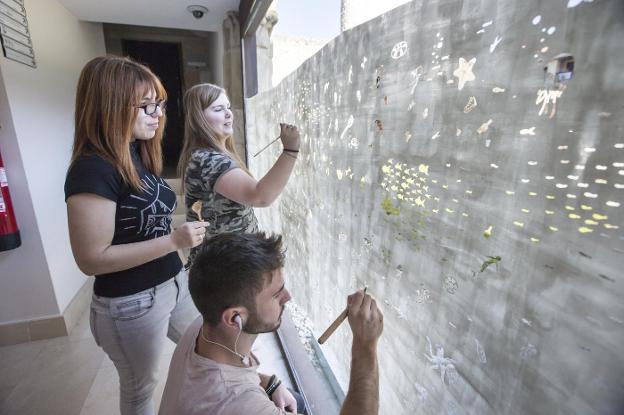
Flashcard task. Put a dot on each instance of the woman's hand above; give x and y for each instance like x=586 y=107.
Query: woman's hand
x=189 y=234
x=290 y=137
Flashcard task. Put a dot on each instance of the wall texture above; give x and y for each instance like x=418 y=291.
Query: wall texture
x=40 y=278
x=480 y=203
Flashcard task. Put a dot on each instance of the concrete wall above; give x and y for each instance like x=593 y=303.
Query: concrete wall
x=40 y=278
x=264 y=51
x=437 y=170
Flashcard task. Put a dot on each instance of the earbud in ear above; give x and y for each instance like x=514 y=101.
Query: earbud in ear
x=237 y=319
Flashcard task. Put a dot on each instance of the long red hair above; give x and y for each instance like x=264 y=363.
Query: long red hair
x=109 y=89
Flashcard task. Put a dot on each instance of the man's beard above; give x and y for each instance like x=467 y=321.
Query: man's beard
x=255 y=326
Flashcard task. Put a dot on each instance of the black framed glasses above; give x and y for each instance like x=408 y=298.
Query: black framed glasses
x=150 y=109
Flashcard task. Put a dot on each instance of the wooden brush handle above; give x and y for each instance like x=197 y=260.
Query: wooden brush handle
x=331 y=329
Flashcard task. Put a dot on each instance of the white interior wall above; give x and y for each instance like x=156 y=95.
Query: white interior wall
x=41 y=103
x=23 y=270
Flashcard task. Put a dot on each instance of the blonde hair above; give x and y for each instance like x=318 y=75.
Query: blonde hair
x=198 y=133
x=109 y=89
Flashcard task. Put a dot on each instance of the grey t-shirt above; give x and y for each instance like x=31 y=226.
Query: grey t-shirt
x=204 y=170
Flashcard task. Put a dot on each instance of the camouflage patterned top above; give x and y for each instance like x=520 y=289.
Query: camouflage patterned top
x=204 y=169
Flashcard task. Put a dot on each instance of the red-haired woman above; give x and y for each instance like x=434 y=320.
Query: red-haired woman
x=119 y=213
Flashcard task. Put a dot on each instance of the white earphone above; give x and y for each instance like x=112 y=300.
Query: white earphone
x=237 y=318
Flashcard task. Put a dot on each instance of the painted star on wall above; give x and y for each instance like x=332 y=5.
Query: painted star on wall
x=464 y=72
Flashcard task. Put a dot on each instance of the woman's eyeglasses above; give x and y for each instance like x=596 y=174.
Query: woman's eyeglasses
x=150 y=109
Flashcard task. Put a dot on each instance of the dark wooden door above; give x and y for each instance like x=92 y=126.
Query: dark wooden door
x=164 y=59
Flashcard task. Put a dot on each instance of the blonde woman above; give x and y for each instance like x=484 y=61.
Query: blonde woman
x=215 y=174
x=119 y=213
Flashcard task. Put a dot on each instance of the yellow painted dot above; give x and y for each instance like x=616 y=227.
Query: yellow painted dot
x=609 y=226
x=552 y=228
x=591 y=222
x=509 y=192
x=598 y=216
x=435 y=210
x=584 y=229
x=574 y=216
x=549 y=212
x=488 y=232
x=569 y=208
x=434 y=181
x=550 y=197
x=449 y=210
x=445 y=186
x=585 y=207
x=519 y=224
x=534 y=240
x=469 y=192
x=532 y=194
x=386 y=169
x=526 y=211
x=600 y=181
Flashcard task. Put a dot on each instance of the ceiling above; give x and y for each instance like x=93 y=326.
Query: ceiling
x=158 y=13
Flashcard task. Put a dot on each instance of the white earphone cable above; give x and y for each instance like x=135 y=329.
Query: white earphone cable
x=244 y=358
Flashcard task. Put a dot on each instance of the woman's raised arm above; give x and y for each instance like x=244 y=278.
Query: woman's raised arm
x=238 y=186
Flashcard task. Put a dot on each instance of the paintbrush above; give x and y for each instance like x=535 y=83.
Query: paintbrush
x=267 y=146
x=332 y=328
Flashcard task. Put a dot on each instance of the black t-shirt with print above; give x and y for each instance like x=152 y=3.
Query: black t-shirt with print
x=139 y=216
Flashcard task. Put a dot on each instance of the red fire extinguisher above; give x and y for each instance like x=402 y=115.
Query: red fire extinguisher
x=9 y=233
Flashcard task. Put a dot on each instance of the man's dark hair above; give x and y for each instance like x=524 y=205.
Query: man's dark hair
x=231 y=269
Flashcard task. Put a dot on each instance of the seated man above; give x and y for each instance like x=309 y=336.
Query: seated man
x=237 y=285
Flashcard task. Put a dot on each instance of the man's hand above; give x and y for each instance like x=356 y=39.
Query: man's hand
x=365 y=319
x=366 y=323
x=283 y=399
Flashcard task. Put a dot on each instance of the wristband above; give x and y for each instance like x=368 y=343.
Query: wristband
x=270 y=392
x=270 y=383
x=292 y=151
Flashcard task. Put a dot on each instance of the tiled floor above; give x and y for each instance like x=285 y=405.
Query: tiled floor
x=72 y=375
